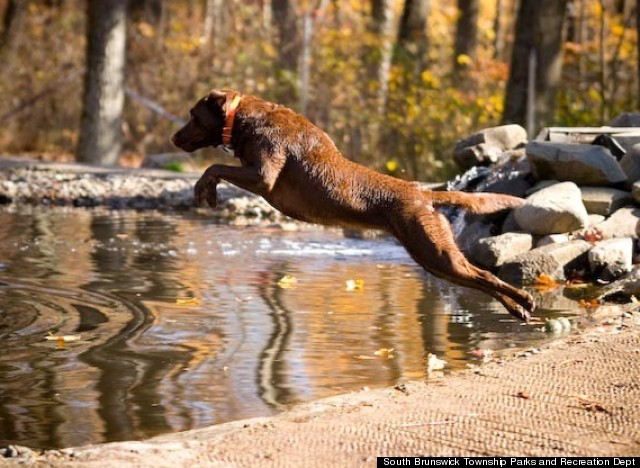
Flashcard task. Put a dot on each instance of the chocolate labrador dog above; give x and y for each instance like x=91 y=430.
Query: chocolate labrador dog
x=297 y=168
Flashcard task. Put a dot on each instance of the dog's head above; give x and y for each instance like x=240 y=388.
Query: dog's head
x=206 y=121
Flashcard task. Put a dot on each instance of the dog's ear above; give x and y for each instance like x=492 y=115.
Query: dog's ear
x=217 y=98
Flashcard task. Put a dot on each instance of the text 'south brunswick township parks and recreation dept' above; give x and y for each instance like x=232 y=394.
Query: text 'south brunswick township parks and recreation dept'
x=622 y=462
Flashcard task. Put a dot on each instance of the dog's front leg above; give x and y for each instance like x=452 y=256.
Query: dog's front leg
x=248 y=178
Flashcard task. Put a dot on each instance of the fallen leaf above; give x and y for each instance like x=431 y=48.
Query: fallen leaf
x=589 y=304
x=355 y=285
x=189 y=301
x=523 y=395
x=545 y=283
x=287 y=282
x=592 y=235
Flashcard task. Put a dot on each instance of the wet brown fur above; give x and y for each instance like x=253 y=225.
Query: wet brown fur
x=297 y=168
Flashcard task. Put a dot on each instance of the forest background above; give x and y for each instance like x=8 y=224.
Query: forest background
x=395 y=83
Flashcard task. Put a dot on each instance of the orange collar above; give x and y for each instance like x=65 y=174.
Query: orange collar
x=229 y=109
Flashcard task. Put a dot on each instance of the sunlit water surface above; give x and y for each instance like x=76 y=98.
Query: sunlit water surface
x=178 y=323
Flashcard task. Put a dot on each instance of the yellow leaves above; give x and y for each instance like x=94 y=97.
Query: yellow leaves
x=429 y=79
x=145 y=29
x=391 y=165
x=287 y=282
x=463 y=59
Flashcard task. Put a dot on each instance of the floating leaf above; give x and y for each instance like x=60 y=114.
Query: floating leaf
x=545 y=283
x=434 y=363
x=355 y=285
x=287 y=282
x=385 y=352
x=189 y=301
x=63 y=338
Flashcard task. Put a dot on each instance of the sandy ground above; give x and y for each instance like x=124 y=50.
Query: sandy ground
x=579 y=396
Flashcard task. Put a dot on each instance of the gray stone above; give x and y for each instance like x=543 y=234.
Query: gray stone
x=552 y=260
x=627 y=286
x=582 y=164
x=486 y=146
x=552 y=239
x=595 y=219
x=493 y=251
x=635 y=192
x=611 y=258
x=623 y=223
x=541 y=185
x=630 y=164
x=604 y=200
x=626 y=119
x=473 y=231
x=552 y=210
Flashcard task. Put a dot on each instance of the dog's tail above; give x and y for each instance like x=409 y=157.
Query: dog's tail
x=476 y=203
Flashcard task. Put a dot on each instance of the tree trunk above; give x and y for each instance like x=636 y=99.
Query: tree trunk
x=212 y=29
x=638 y=50
x=100 y=139
x=466 y=39
x=539 y=28
x=412 y=36
x=11 y=21
x=285 y=21
x=382 y=26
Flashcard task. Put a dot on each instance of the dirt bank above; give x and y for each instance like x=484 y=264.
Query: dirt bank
x=578 y=396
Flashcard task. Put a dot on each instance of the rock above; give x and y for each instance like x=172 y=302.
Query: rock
x=486 y=146
x=552 y=239
x=626 y=119
x=176 y=162
x=551 y=260
x=552 y=210
x=626 y=287
x=611 y=258
x=473 y=231
x=541 y=185
x=630 y=164
x=623 y=223
x=493 y=251
x=635 y=192
x=595 y=219
x=582 y=164
x=604 y=200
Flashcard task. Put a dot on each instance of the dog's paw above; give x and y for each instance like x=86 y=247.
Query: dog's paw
x=205 y=189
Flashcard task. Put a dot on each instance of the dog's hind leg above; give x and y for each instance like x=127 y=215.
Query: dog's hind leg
x=427 y=236
x=476 y=203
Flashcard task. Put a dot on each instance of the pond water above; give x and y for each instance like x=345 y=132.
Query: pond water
x=174 y=322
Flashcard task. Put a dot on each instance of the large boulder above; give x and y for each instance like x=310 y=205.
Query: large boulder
x=493 y=251
x=604 y=200
x=626 y=119
x=630 y=164
x=486 y=146
x=582 y=164
x=623 y=223
x=552 y=210
x=552 y=260
x=611 y=258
